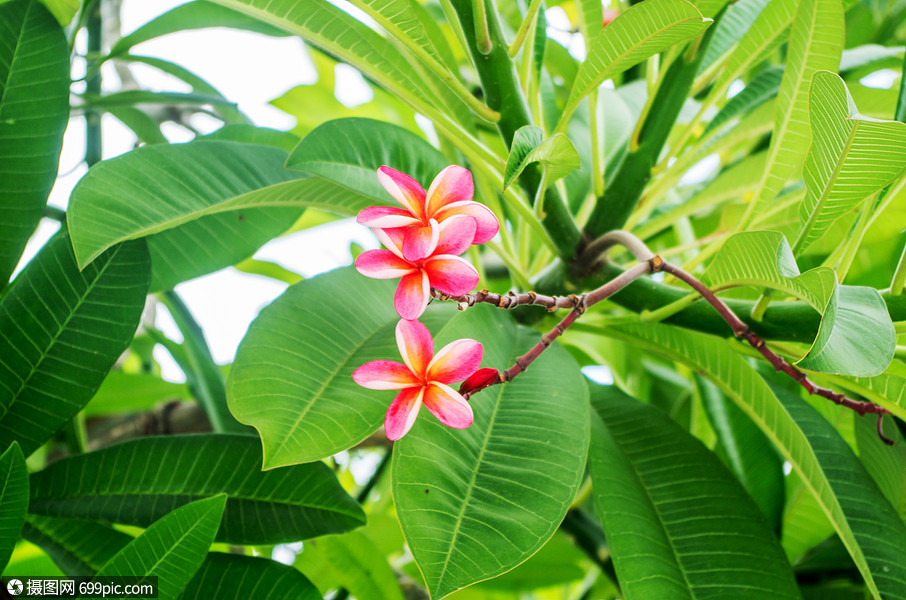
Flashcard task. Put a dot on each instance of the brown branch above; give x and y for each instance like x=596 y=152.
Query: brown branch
x=650 y=263
x=579 y=305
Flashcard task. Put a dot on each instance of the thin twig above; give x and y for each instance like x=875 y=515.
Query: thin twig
x=650 y=263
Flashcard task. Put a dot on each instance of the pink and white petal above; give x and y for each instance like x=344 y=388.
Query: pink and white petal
x=415 y=345
x=448 y=406
x=402 y=412
x=382 y=264
x=420 y=242
x=385 y=216
x=450 y=274
x=455 y=235
x=385 y=375
x=455 y=361
x=412 y=295
x=392 y=238
x=488 y=225
x=453 y=184
x=404 y=190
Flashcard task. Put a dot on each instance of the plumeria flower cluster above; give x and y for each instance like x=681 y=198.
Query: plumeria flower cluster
x=424 y=240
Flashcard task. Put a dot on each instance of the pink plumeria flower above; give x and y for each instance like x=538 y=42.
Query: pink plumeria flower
x=450 y=194
x=423 y=379
x=443 y=270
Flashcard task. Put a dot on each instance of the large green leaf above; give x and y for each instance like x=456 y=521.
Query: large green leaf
x=336 y=32
x=229 y=576
x=762 y=88
x=133 y=392
x=115 y=484
x=77 y=547
x=678 y=524
x=856 y=336
x=887 y=465
x=747 y=452
x=13 y=499
x=34 y=110
x=171 y=549
x=61 y=330
x=851 y=158
x=292 y=378
x=867 y=524
x=642 y=31
x=474 y=503
x=192 y=15
x=359 y=566
x=731 y=28
x=556 y=154
x=157 y=188
x=348 y=152
x=816 y=42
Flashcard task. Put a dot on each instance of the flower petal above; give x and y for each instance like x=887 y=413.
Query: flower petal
x=412 y=295
x=420 y=242
x=416 y=346
x=382 y=264
x=392 y=238
x=448 y=406
x=404 y=190
x=486 y=220
x=453 y=184
x=402 y=412
x=384 y=375
x=450 y=274
x=455 y=235
x=455 y=361
x=385 y=216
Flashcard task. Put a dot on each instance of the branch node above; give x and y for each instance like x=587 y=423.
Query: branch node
x=656 y=263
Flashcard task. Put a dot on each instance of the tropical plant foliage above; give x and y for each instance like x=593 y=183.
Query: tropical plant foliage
x=759 y=144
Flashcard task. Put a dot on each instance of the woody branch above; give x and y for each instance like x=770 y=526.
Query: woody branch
x=650 y=263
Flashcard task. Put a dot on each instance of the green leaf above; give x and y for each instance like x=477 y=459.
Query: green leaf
x=337 y=33
x=229 y=576
x=749 y=453
x=805 y=525
x=556 y=154
x=162 y=191
x=201 y=87
x=34 y=111
x=866 y=523
x=52 y=360
x=816 y=41
x=359 y=566
x=887 y=465
x=348 y=152
x=77 y=547
x=13 y=499
x=644 y=30
x=144 y=126
x=872 y=56
x=123 y=392
x=199 y=14
x=762 y=88
x=475 y=503
x=249 y=134
x=856 y=335
x=678 y=524
x=735 y=23
x=851 y=158
x=292 y=378
x=62 y=10
x=172 y=548
x=114 y=484
x=763 y=27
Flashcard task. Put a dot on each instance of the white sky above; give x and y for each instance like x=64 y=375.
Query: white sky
x=251 y=70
